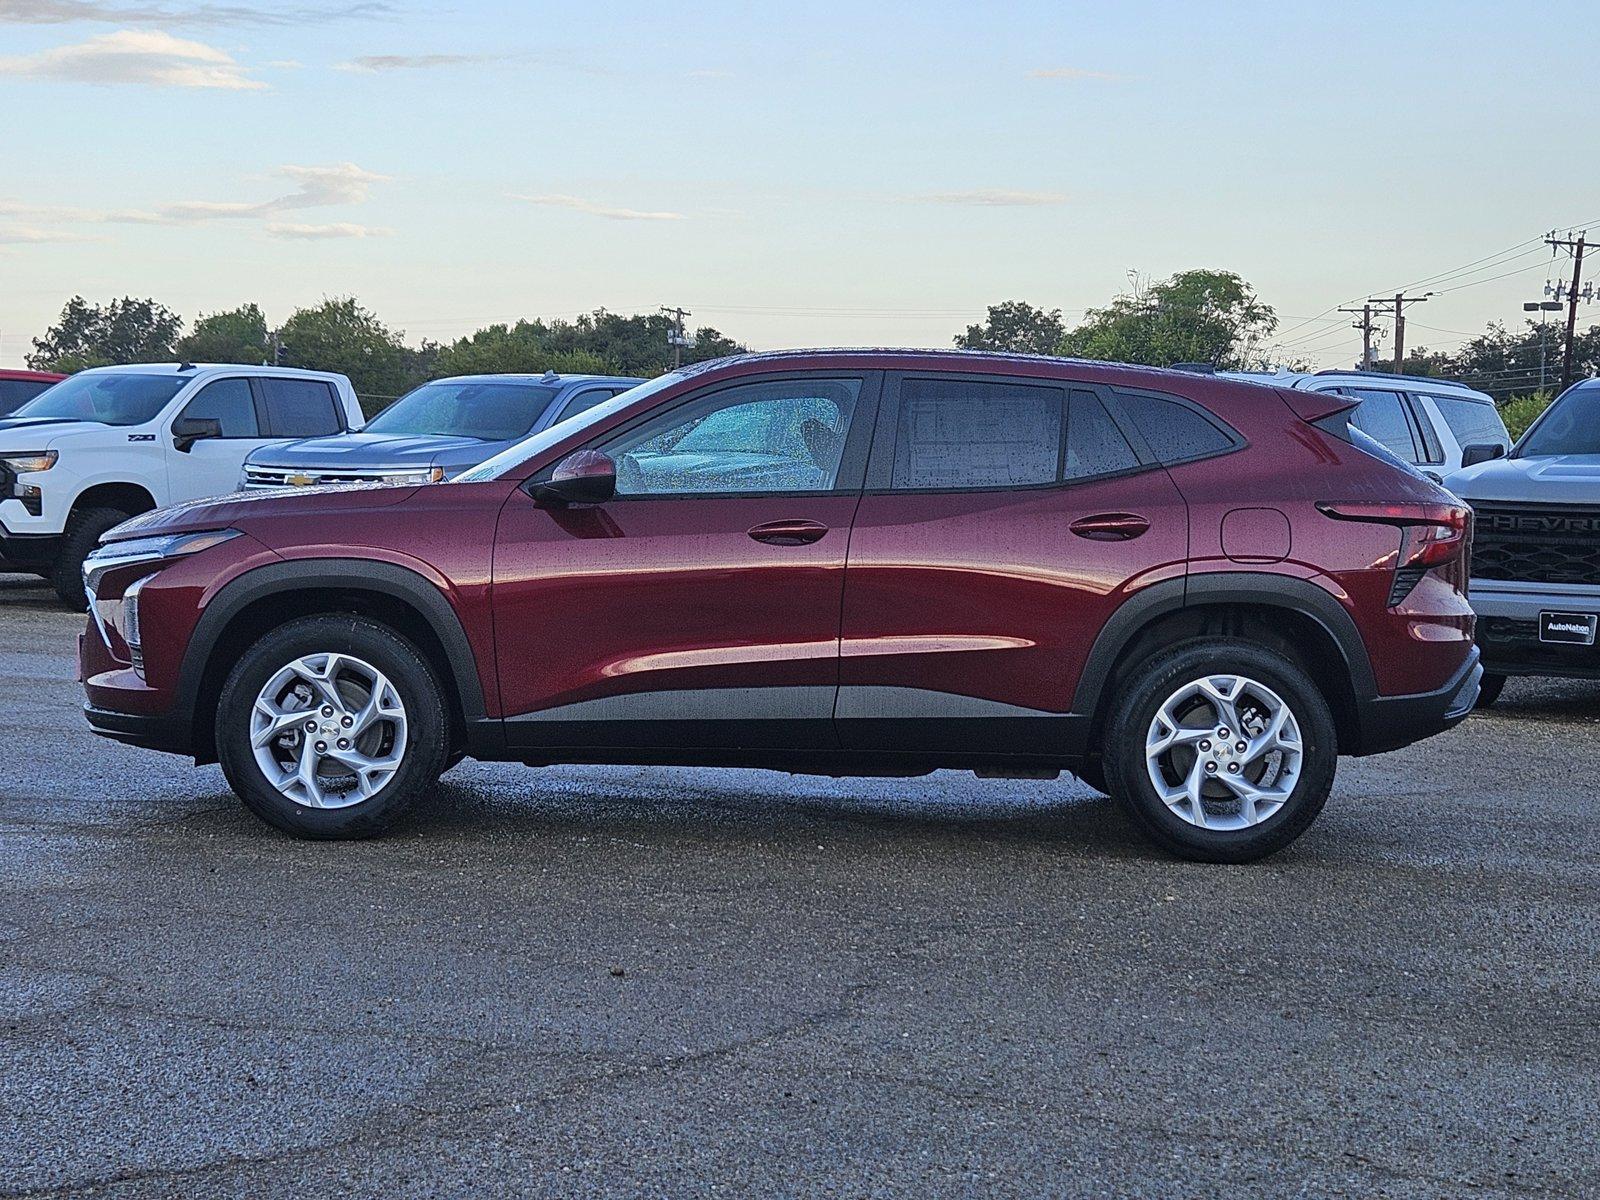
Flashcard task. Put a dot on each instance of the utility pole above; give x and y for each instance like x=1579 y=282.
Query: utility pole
x=1400 y=301
x=677 y=339
x=1366 y=327
x=1576 y=247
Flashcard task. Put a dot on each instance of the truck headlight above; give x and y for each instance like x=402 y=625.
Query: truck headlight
x=412 y=477
x=29 y=464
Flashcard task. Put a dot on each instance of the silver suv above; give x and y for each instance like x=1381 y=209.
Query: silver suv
x=1427 y=422
x=1536 y=545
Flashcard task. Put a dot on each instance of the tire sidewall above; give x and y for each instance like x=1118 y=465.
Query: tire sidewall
x=427 y=724
x=1154 y=682
x=83 y=533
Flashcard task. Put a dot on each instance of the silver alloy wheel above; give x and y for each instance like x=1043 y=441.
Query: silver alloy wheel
x=328 y=730
x=1224 y=752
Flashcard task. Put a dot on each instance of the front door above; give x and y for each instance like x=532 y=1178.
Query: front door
x=700 y=606
x=1003 y=521
x=211 y=466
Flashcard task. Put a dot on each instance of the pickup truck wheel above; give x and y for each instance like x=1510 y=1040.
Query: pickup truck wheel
x=82 y=535
x=331 y=726
x=1221 y=750
x=1489 y=690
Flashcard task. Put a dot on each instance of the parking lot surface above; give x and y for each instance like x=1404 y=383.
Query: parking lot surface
x=649 y=982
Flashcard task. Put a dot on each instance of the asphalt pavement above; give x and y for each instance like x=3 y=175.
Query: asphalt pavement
x=652 y=982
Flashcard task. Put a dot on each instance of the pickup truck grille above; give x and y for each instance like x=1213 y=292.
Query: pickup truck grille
x=1536 y=543
x=261 y=478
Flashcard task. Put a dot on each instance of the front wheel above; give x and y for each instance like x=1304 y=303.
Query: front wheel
x=1223 y=751
x=82 y=535
x=331 y=726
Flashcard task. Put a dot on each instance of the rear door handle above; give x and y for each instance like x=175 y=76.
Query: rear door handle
x=1110 y=527
x=789 y=533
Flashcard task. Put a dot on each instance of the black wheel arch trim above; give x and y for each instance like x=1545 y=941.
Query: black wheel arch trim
x=1223 y=587
x=389 y=579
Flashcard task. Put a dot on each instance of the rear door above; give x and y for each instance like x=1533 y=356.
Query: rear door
x=211 y=466
x=1004 y=520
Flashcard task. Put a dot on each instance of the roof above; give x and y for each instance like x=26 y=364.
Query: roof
x=932 y=359
x=549 y=377
x=197 y=369
x=39 y=376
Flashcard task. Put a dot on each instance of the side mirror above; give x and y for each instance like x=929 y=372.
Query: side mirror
x=583 y=477
x=186 y=431
x=1481 y=452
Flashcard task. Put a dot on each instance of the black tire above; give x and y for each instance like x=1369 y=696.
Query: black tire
x=1140 y=696
x=427 y=742
x=1489 y=690
x=82 y=535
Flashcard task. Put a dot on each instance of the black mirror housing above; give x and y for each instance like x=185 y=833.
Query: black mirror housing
x=1481 y=452
x=583 y=477
x=186 y=431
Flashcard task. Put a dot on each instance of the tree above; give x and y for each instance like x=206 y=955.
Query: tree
x=521 y=348
x=123 y=331
x=1196 y=316
x=236 y=336
x=1018 y=327
x=340 y=335
x=601 y=342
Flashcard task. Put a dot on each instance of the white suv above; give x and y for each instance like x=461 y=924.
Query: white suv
x=1427 y=422
x=109 y=443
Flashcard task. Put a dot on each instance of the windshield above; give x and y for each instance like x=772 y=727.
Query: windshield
x=490 y=412
x=1572 y=426
x=514 y=456
x=114 y=398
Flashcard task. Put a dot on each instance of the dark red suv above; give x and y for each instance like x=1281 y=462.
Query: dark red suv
x=1193 y=592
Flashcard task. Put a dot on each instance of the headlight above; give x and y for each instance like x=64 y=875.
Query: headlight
x=28 y=464
x=412 y=478
x=114 y=555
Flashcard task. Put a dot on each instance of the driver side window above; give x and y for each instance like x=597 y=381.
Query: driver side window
x=229 y=401
x=755 y=438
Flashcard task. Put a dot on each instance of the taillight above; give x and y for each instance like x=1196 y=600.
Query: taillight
x=1431 y=535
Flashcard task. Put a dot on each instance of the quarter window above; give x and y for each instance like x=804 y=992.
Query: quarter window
x=1382 y=417
x=757 y=438
x=300 y=407
x=1095 y=446
x=584 y=401
x=970 y=433
x=230 y=402
x=1175 y=432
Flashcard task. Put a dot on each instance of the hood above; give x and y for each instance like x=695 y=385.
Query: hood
x=36 y=429
x=1546 y=479
x=239 y=509
x=360 y=451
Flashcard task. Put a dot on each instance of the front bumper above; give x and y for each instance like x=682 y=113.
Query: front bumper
x=1390 y=722
x=146 y=730
x=1508 y=628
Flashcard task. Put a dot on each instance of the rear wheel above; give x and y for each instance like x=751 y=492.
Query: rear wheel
x=82 y=535
x=1489 y=690
x=331 y=726
x=1222 y=751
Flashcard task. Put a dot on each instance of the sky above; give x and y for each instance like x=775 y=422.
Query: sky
x=793 y=174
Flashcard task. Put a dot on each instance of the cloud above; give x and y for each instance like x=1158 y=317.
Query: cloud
x=578 y=204
x=415 y=62
x=61 y=12
x=997 y=198
x=148 y=58
x=20 y=236
x=315 y=187
x=338 y=229
x=1071 y=73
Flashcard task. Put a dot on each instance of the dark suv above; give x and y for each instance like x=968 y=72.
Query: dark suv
x=1193 y=592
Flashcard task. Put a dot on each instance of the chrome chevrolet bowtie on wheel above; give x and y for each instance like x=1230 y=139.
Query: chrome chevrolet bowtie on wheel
x=329 y=726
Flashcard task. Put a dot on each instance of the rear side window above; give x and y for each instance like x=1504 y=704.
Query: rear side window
x=1176 y=433
x=977 y=434
x=1382 y=417
x=300 y=407
x=230 y=402
x=1095 y=446
x=584 y=401
x=14 y=393
x=1473 y=422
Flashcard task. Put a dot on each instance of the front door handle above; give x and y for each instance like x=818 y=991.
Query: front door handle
x=1110 y=527
x=789 y=533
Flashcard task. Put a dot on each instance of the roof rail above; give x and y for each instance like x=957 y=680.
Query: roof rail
x=1431 y=380
x=1195 y=368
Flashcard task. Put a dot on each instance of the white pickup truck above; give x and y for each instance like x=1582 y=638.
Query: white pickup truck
x=112 y=442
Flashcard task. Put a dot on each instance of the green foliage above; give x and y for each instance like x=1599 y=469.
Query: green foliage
x=123 y=331
x=1505 y=364
x=340 y=335
x=1017 y=327
x=1195 y=316
x=520 y=348
x=1519 y=412
x=598 y=343
x=236 y=336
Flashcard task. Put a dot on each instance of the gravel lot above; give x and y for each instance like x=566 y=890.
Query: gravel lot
x=685 y=983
